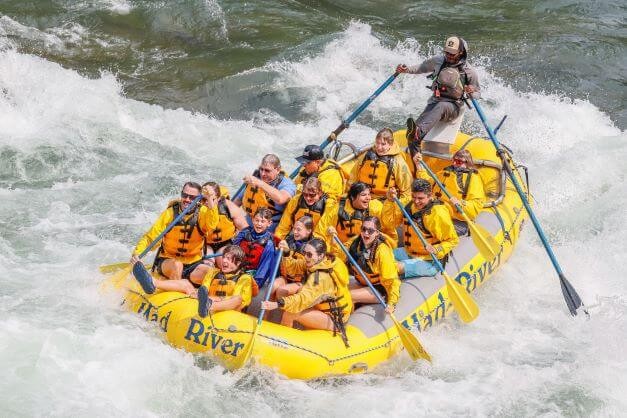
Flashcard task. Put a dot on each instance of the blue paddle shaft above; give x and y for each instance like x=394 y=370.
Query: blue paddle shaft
x=359 y=270
x=345 y=123
x=172 y=224
x=519 y=189
x=275 y=270
x=420 y=236
x=439 y=183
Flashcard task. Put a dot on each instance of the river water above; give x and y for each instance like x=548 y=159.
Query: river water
x=108 y=106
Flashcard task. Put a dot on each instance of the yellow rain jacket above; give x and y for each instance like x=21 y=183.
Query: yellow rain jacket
x=466 y=185
x=332 y=178
x=321 y=214
x=326 y=280
x=185 y=242
x=225 y=230
x=225 y=285
x=374 y=170
x=380 y=268
x=435 y=223
x=347 y=220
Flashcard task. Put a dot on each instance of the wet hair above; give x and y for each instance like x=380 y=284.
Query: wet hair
x=212 y=185
x=312 y=183
x=464 y=154
x=383 y=131
x=271 y=159
x=374 y=220
x=356 y=189
x=421 y=186
x=318 y=245
x=193 y=185
x=264 y=212
x=235 y=253
x=307 y=222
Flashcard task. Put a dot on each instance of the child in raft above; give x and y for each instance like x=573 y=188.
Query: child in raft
x=228 y=287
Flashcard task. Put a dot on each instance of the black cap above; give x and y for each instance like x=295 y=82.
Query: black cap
x=311 y=153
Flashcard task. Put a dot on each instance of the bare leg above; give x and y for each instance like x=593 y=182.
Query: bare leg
x=172 y=269
x=278 y=282
x=314 y=319
x=198 y=275
x=288 y=289
x=181 y=285
x=363 y=295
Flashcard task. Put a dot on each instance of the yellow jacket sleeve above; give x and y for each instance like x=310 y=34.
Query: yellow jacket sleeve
x=311 y=293
x=391 y=215
x=403 y=177
x=244 y=288
x=209 y=275
x=208 y=219
x=475 y=197
x=384 y=259
x=332 y=182
x=293 y=266
x=285 y=224
x=328 y=218
x=166 y=217
x=439 y=223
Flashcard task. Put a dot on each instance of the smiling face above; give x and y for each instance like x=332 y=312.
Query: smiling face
x=311 y=256
x=300 y=231
x=383 y=143
x=260 y=224
x=369 y=233
x=311 y=195
x=420 y=199
x=362 y=200
x=188 y=195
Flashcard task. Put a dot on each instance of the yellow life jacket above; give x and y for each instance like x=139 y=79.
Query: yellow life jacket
x=377 y=171
x=185 y=239
x=254 y=197
x=315 y=211
x=365 y=258
x=456 y=180
x=349 y=224
x=223 y=285
x=226 y=228
x=341 y=302
x=413 y=245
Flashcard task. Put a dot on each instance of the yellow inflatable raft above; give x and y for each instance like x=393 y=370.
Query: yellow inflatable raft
x=372 y=336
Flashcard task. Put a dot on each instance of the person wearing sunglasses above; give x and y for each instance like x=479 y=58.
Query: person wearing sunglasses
x=324 y=301
x=452 y=78
x=463 y=182
x=373 y=252
x=312 y=201
x=433 y=220
x=180 y=254
x=330 y=174
x=267 y=187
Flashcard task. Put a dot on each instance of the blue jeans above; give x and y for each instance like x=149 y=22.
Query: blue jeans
x=414 y=267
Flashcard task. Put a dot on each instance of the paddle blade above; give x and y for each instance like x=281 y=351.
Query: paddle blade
x=462 y=301
x=483 y=240
x=570 y=295
x=410 y=342
x=118 y=279
x=144 y=278
x=112 y=268
x=249 y=350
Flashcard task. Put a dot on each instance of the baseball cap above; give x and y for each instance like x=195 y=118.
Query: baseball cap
x=311 y=153
x=452 y=45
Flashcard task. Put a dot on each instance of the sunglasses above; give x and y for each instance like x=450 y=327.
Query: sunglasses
x=368 y=231
x=188 y=196
x=309 y=254
x=459 y=161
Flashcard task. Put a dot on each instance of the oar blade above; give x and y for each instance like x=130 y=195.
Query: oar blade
x=112 y=268
x=117 y=280
x=484 y=241
x=415 y=350
x=570 y=295
x=249 y=350
x=463 y=303
x=144 y=278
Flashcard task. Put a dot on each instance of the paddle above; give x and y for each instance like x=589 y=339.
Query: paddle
x=410 y=342
x=249 y=350
x=462 y=301
x=139 y=271
x=573 y=301
x=483 y=240
x=345 y=124
x=112 y=268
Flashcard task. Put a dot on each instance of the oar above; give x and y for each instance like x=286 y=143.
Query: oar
x=484 y=241
x=573 y=301
x=275 y=270
x=112 y=268
x=139 y=271
x=410 y=342
x=345 y=124
x=462 y=301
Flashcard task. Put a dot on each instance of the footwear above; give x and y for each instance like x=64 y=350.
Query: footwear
x=144 y=278
x=204 y=301
x=411 y=130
